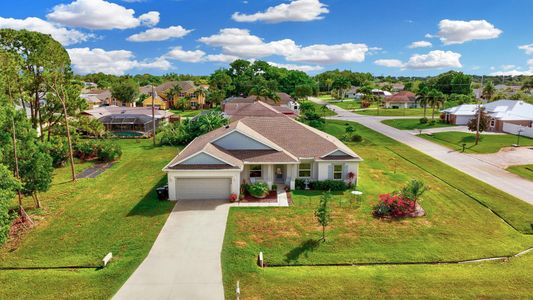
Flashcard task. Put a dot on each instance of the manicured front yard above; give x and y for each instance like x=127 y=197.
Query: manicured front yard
x=81 y=222
x=387 y=112
x=488 y=143
x=411 y=124
x=525 y=171
x=348 y=105
x=456 y=227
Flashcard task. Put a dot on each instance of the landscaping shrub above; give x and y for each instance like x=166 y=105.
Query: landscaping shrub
x=357 y=138
x=109 y=151
x=393 y=205
x=365 y=104
x=329 y=185
x=8 y=187
x=423 y=120
x=86 y=150
x=324 y=185
x=105 y=151
x=258 y=189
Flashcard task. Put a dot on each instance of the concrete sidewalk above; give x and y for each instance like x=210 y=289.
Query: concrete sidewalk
x=471 y=165
x=184 y=262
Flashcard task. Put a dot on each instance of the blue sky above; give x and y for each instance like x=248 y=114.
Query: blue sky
x=199 y=36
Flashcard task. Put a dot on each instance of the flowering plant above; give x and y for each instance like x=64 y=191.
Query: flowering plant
x=393 y=205
x=233 y=197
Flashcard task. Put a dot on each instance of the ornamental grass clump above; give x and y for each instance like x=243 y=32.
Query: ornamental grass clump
x=258 y=189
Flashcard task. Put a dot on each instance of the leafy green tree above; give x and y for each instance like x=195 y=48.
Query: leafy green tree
x=125 y=91
x=9 y=185
x=210 y=121
x=527 y=84
x=341 y=84
x=323 y=213
x=302 y=91
x=262 y=92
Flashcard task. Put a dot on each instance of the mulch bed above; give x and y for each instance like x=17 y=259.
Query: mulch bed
x=272 y=197
x=95 y=170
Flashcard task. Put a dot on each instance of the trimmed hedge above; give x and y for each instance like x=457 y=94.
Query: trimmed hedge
x=104 y=151
x=324 y=185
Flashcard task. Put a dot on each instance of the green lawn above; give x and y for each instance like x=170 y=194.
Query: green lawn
x=488 y=143
x=525 y=171
x=391 y=112
x=187 y=113
x=326 y=97
x=81 y=222
x=320 y=109
x=456 y=227
x=411 y=124
x=348 y=105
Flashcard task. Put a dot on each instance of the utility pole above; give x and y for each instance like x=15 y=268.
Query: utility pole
x=479 y=113
x=153 y=112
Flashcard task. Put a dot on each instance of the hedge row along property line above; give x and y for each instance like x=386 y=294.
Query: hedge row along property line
x=450 y=262
x=460 y=190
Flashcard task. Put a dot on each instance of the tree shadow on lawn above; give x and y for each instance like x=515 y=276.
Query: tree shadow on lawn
x=150 y=205
x=303 y=249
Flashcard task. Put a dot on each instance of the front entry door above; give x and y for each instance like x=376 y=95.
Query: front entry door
x=278 y=173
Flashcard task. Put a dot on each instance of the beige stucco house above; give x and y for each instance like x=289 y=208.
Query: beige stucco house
x=272 y=149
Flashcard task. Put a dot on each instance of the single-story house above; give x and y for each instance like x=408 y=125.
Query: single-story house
x=239 y=110
x=515 y=112
x=128 y=121
x=188 y=90
x=285 y=100
x=92 y=100
x=271 y=149
x=352 y=93
x=403 y=99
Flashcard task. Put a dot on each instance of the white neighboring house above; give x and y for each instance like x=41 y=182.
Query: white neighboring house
x=271 y=149
x=503 y=111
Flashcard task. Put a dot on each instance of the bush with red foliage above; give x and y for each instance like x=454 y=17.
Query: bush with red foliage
x=393 y=205
x=365 y=104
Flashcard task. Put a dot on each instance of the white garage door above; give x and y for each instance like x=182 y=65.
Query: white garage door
x=203 y=188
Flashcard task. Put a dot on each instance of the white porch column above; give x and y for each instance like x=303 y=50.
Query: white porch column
x=269 y=175
x=171 y=187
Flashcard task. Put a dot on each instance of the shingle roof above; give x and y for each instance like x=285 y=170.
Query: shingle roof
x=403 y=97
x=254 y=109
x=284 y=99
x=186 y=87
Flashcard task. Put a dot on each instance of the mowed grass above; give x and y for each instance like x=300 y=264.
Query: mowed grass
x=348 y=105
x=456 y=227
x=388 y=112
x=187 y=113
x=525 y=171
x=81 y=222
x=412 y=124
x=488 y=143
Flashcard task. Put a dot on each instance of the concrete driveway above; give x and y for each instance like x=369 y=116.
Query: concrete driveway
x=184 y=262
x=473 y=166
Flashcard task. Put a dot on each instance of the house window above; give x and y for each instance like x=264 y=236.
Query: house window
x=194 y=104
x=337 y=171
x=304 y=170
x=492 y=122
x=255 y=171
x=182 y=94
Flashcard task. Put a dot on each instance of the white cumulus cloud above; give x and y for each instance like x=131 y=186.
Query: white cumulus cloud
x=515 y=71
x=159 y=34
x=99 y=14
x=221 y=58
x=458 y=32
x=434 y=59
x=61 y=34
x=527 y=48
x=186 y=55
x=294 y=11
x=240 y=43
x=303 y=68
x=115 y=62
x=391 y=63
x=420 y=44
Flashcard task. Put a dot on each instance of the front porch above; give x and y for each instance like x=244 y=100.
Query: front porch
x=278 y=174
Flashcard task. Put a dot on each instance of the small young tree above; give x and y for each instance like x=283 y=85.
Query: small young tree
x=349 y=131
x=414 y=190
x=323 y=213
x=484 y=123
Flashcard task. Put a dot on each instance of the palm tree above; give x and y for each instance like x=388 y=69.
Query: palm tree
x=341 y=84
x=414 y=190
x=488 y=90
x=436 y=99
x=174 y=93
x=200 y=92
x=423 y=99
x=262 y=92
